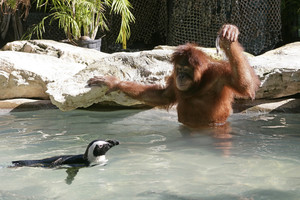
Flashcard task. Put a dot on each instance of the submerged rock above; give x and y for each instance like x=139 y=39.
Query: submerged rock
x=51 y=70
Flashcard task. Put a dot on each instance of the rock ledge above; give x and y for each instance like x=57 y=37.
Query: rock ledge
x=43 y=69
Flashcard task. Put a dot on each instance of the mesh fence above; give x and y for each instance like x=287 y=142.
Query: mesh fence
x=149 y=29
x=175 y=22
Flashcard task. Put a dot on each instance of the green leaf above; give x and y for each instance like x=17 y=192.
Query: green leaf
x=84 y=17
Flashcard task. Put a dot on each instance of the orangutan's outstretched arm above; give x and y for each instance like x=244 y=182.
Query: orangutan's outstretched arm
x=154 y=95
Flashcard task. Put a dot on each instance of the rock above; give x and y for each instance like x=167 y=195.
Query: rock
x=279 y=71
x=287 y=105
x=74 y=92
x=47 y=69
x=25 y=104
x=63 y=51
x=26 y=75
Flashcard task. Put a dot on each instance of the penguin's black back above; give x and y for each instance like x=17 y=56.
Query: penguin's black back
x=72 y=160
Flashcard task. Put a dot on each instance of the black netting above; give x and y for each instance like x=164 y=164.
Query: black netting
x=175 y=22
x=149 y=29
x=197 y=21
x=260 y=24
x=51 y=30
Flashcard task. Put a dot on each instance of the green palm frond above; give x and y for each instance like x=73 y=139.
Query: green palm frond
x=84 y=17
x=122 y=7
x=38 y=29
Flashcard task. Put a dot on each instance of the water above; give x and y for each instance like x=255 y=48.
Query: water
x=258 y=159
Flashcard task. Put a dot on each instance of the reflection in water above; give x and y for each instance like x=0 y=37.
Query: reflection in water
x=222 y=135
x=72 y=172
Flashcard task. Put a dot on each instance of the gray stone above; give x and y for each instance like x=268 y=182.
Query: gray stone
x=63 y=51
x=26 y=75
x=279 y=71
x=146 y=67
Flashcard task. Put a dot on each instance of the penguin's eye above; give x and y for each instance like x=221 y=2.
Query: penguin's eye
x=100 y=146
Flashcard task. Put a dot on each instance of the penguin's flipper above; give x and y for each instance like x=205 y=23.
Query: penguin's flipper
x=57 y=162
x=73 y=161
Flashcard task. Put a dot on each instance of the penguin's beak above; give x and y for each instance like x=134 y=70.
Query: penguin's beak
x=112 y=143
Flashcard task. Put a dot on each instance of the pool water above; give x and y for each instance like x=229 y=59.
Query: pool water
x=257 y=157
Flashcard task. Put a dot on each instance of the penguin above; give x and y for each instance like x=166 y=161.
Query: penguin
x=94 y=155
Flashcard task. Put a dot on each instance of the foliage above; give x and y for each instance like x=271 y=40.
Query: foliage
x=11 y=6
x=84 y=17
x=122 y=7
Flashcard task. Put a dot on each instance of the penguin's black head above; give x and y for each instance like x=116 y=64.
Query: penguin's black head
x=95 y=151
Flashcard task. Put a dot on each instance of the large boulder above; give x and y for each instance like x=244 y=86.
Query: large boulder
x=47 y=69
x=27 y=67
x=279 y=71
x=145 y=67
x=27 y=75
